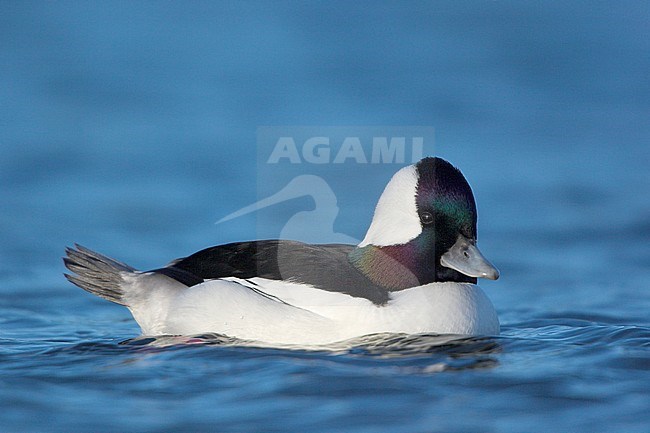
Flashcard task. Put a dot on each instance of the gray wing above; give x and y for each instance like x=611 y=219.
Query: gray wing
x=326 y=267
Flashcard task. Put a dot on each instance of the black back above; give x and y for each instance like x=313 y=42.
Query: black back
x=326 y=267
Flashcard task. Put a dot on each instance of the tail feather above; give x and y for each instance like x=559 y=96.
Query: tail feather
x=96 y=273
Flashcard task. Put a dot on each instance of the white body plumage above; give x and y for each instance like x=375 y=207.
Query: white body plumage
x=288 y=313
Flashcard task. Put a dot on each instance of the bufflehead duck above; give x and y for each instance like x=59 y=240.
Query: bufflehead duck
x=414 y=272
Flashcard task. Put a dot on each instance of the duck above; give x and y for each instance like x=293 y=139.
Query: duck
x=414 y=272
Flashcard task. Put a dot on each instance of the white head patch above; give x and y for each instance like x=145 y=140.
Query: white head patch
x=396 y=219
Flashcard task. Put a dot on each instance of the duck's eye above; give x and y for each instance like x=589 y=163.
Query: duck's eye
x=426 y=218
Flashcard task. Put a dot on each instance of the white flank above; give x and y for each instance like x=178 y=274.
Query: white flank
x=289 y=313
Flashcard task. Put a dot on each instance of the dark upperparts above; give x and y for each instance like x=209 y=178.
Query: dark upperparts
x=326 y=267
x=332 y=267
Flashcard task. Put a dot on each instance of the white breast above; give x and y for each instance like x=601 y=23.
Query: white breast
x=289 y=313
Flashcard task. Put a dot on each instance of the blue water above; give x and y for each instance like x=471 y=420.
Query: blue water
x=132 y=127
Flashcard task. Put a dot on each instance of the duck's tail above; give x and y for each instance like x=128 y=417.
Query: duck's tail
x=97 y=274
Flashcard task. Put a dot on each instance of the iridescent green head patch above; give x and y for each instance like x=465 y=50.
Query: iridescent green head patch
x=443 y=191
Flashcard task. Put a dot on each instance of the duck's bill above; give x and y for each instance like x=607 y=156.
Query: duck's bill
x=467 y=259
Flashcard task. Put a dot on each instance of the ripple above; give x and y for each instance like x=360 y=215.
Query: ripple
x=580 y=332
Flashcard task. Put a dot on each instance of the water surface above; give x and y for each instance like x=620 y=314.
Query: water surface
x=131 y=129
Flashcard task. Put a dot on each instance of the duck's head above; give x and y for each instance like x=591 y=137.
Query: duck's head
x=423 y=230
